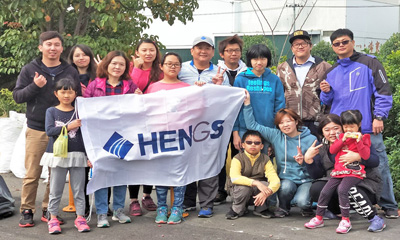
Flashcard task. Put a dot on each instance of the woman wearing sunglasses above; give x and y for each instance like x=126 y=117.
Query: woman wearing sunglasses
x=290 y=141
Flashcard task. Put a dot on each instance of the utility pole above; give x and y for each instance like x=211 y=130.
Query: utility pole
x=294 y=6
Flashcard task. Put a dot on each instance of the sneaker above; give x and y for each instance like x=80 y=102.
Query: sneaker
x=344 y=227
x=377 y=224
x=26 y=218
x=134 y=209
x=220 y=198
x=231 y=215
x=81 y=224
x=280 y=213
x=263 y=214
x=46 y=216
x=102 y=221
x=328 y=215
x=205 y=212
x=120 y=216
x=391 y=213
x=161 y=217
x=307 y=212
x=314 y=223
x=54 y=226
x=188 y=208
x=176 y=215
x=148 y=204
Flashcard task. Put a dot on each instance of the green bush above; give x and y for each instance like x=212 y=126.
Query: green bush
x=392 y=44
x=7 y=103
x=393 y=150
x=324 y=50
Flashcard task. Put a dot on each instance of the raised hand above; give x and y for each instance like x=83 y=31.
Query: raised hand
x=219 y=78
x=299 y=157
x=97 y=59
x=137 y=61
x=247 y=98
x=39 y=80
x=312 y=152
x=324 y=86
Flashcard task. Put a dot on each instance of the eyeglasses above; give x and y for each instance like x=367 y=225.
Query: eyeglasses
x=303 y=44
x=251 y=142
x=172 y=65
x=344 y=43
x=230 y=51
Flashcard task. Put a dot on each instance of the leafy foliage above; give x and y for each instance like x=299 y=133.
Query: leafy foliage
x=324 y=50
x=7 y=103
x=392 y=44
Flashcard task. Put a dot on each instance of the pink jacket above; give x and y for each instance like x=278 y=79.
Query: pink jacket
x=97 y=88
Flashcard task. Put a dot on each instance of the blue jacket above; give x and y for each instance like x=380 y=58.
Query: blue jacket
x=267 y=97
x=359 y=82
x=285 y=148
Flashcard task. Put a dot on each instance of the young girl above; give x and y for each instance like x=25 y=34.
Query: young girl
x=112 y=79
x=344 y=176
x=76 y=161
x=146 y=71
x=170 y=65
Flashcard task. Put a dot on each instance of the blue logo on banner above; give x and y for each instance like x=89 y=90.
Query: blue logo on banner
x=118 y=146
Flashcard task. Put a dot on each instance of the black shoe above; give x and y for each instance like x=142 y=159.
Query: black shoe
x=46 y=216
x=231 y=215
x=188 y=208
x=391 y=213
x=263 y=214
x=26 y=218
x=220 y=198
x=109 y=212
x=307 y=212
x=280 y=213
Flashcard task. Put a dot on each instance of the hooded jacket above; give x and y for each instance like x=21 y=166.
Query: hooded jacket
x=285 y=148
x=242 y=67
x=39 y=99
x=97 y=88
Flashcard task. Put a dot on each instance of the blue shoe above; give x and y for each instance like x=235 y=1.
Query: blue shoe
x=377 y=224
x=162 y=213
x=176 y=215
x=328 y=215
x=205 y=212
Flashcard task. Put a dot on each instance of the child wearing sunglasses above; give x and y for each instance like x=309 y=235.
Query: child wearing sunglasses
x=253 y=178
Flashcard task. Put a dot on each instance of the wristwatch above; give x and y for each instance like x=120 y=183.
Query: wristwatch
x=379 y=118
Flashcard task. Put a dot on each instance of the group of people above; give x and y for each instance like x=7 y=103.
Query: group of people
x=286 y=149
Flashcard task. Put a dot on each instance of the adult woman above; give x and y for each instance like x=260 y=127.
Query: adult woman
x=320 y=163
x=289 y=141
x=146 y=71
x=81 y=57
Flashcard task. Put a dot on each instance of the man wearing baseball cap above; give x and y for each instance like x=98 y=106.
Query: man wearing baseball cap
x=301 y=76
x=202 y=69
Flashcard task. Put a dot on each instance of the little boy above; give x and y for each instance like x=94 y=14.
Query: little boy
x=253 y=178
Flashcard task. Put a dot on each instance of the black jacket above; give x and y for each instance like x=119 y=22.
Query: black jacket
x=39 y=99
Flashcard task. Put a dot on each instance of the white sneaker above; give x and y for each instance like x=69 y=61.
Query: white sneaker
x=120 y=216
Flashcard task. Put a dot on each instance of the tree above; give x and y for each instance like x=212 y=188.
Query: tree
x=324 y=50
x=104 y=25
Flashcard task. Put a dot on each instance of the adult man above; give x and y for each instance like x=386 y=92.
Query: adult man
x=201 y=69
x=358 y=81
x=35 y=87
x=230 y=50
x=301 y=76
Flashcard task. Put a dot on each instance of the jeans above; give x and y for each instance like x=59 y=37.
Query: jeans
x=299 y=193
x=101 y=199
x=387 y=200
x=162 y=191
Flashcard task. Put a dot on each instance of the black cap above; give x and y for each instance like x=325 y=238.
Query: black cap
x=299 y=34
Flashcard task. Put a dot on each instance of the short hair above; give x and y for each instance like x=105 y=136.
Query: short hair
x=340 y=33
x=88 y=51
x=102 y=69
x=66 y=84
x=252 y=133
x=44 y=36
x=170 y=54
x=258 y=51
x=155 y=66
x=235 y=39
x=292 y=114
x=351 y=117
x=325 y=120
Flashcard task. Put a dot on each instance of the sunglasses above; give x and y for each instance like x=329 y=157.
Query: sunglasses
x=337 y=44
x=251 y=142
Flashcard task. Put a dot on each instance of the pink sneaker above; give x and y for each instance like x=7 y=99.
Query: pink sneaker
x=314 y=223
x=54 y=226
x=344 y=227
x=148 y=204
x=134 y=209
x=81 y=224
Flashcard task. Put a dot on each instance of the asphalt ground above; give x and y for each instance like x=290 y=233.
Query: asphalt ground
x=216 y=227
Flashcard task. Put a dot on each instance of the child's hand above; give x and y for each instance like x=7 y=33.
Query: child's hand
x=324 y=86
x=74 y=124
x=89 y=164
x=219 y=78
x=345 y=136
x=247 y=98
x=359 y=136
x=199 y=83
x=299 y=157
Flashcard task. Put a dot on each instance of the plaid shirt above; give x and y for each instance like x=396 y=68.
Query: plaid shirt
x=110 y=90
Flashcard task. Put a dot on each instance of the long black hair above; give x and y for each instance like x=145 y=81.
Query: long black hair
x=91 y=70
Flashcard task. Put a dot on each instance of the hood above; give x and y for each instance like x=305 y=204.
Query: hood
x=249 y=74
x=242 y=66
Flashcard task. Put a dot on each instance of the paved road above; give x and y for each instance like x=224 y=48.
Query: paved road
x=217 y=227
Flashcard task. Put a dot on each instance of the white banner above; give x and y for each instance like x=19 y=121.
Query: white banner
x=168 y=138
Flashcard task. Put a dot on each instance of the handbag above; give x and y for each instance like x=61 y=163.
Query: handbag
x=60 y=146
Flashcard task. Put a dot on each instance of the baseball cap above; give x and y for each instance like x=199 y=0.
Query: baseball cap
x=299 y=34
x=201 y=39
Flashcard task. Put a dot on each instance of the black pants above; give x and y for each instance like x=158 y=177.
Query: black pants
x=134 y=190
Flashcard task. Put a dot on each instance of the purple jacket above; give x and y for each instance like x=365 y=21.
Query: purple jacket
x=97 y=88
